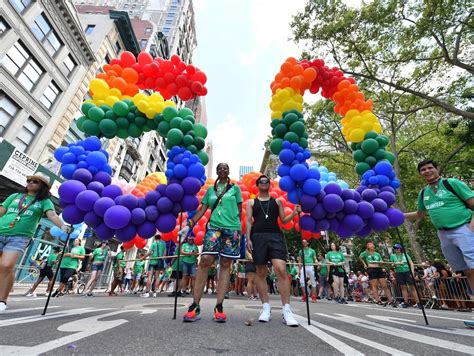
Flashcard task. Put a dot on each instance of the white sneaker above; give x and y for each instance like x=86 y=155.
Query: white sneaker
x=288 y=317
x=145 y=295
x=31 y=295
x=154 y=295
x=3 y=307
x=266 y=314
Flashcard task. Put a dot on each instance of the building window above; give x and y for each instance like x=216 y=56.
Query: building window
x=168 y=22
x=3 y=26
x=20 y=5
x=19 y=62
x=44 y=32
x=68 y=65
x=89 y=29
x=143 y=42
x=148 y=30
x=27 y=134
x=50 y=95
x=117 y=47
x=8 y=110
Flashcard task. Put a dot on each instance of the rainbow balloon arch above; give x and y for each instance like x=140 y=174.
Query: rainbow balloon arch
x=134 y=213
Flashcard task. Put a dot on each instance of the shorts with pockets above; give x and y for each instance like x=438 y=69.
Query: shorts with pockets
x=14 y=243
x=268 y=246
x=222 y=242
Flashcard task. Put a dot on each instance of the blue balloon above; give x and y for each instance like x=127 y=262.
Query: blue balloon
x=92 y=143
x=67 y=170
x=93 y=169
x=97 y=159
x=287 y=184
x=286 y=144
x=283 y=170
x=311 y=187
x=383 y=167
x=293 y=197
x=196 y=170
x=286 y=156
x=180 y=171
x=107 y=169
x=323 y=169
x=77 y=150
x=323 y=175
x=395 y=184
x=313 y=173
x=69 y=157
x=59 y=153
x=383 y=180
x=299 y=172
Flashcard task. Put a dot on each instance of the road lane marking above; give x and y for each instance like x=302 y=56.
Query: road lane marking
x=12 y=311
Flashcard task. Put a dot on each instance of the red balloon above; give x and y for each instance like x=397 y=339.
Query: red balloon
x=172 y=88
x=115 y=61
x=127 y=58
x=139 y=242
x=196 y=87
x=144 y=58
x=199 y=239
x=166 y=66
x=190 y=69
x=181 y=81
x=200 y=77
x=128 y=245
x=185 y=93
x=169 y=78
x=175 y=59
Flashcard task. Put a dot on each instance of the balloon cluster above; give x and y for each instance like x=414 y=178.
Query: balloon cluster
x=182 y=163
x=61 y=235
x=329 y=203
x=150 y=182
x=86 y=154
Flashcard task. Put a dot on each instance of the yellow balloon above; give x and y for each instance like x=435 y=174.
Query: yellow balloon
x=356 y=135
x=99 y=86
x=277 y=114
x=351 y=113
x=138 y=97
x=142 y=106
x=115 y=92
x=111 y=100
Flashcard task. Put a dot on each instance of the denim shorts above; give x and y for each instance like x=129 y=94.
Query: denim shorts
x=14 y=243
x=189 y=269
x=97 y=267
x=458 y=247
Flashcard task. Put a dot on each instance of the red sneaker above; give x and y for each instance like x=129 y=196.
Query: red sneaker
x=303 y=298
x=193 y=314
x=313 y=298
x=219 y=316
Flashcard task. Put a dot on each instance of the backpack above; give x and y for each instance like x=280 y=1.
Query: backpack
x=450 y=188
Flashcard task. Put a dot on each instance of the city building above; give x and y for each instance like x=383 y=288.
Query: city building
x=270 y=164
x=243 y=170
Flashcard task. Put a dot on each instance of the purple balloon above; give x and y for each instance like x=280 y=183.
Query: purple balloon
x=166 y=223
x=103 y=178
x=126 y=233
x=92 y=219
x=333 y=188
x=146 y=230
x=347 y=194
x=191 y=185
x=388 y=189
x=343 y=232
x=73 y=215
x=69 y=190
x=85 y=200
x=175 y=192
x=357 y=196
x=117 y=217
x=361 y=188
x=165 y=205
x=189 y=203
x=388 y=197
x=333 y=224
x=322 y=225
x=111 y=191
x=395 y=217
x=118 y=200
x=96 y=187
x=333 y=203
x=62 y=203
x=369 y=194
x=321 y=196
x=365 y=210
x=318 y=212
x=142 y=203
x=379 y=222
x=350 y=206
x=161 y=189
x=379 y=205
x=365 y=231
x=340 y=216
x=102 y=204
x=130 y=201
x=151 y=213
x=138 y=216
x=307 y=203
x=176 y=209
x=104 y=232
x=307 y=223
x=152 y=197
x=83 y=175
x=353 y=222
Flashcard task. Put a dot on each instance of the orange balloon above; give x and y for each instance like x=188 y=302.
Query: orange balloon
x=296 y=83
x=117 y=68
x=310 y=74
x=130 y=75
x=120 y=84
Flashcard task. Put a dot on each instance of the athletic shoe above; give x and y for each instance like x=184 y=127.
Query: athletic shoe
x=418 y=306
x=337 y=299
x=303 y=298
x=90 y=294
x=266 y=314
x=145 y=295
x=404 y=305
x=342 y=301
x=3 y=307
x=288 y=317
x=219 y=315
x=468 y=323
x=55 y=293
x=193 y=313
x=31 y=295
x=313 y=298
x=154 y=295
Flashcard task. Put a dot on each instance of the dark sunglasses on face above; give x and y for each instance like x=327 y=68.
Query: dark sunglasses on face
x=263 y=181
x=34 y=181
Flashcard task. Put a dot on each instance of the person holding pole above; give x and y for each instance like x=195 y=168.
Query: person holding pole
x=266 y=243
x=20 y=214
x=310 y=261
x=222 y=239
x=403 y=276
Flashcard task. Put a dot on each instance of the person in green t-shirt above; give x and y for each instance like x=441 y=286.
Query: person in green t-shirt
x=98 y=257
x=138 y=268
x=118 y=268
x=403 y=275
x=310 y=261
x=20 y=214
x=69 y=266
x=450 y=204
x=156 y=265
x=294 y=278
x=323 y=277
x=372 y=261
x=222 y=239
x=189 y=253
x=46 y=270
x=165 y=279
x=336 y=259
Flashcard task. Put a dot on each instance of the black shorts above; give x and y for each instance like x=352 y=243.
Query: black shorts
x=404 y=278
x=211 y=277
x=268 y=246
x=47 y=272
x=65 y=274
x=250 y=267
x=174 y=274
x=375 y=273
x=334 y=271
x=160 y=264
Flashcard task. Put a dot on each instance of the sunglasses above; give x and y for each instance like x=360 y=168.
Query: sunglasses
x=34 y=181
x=264 y=181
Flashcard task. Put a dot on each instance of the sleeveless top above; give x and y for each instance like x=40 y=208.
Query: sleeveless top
x=262 y=224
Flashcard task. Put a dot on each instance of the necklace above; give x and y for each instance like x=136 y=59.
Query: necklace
x=268 y=207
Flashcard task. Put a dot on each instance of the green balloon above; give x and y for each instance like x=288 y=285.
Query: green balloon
x=191 y=148
x=85 y=107
x=175 y=122
x=358 y=146
x=190 y=119
x=188 y=140
x=163 y=128
x=294 y=111
x=359 y=156
x=305 y=135
x=390 y=157
x=146 y=128
x=131 y=116
x=158 y=118
x=133 y=108
x=371 y=134
x=200 y=130
x=134 y=130
x=169 y=145
x=370 y=146
x=382 y=140
x=280 y=130
x=370 y=160
x=122 y=133
x=95 y=114
x=199 y=143
x=354 y=146
x=290 y=118
x=186 y=126
x=169 y=112
x=120 y=108
x=108 y=127
x=91 y=127
x=110 y=115
x=80 y=122
x=105 y=107
x=298 y=128
x=361 y=168
x=175 y=136
x=204 y=157
x=185 y=112
x=379 y=154
x=128 y=102
x=151 y=124
x=276 y=146
x=275 y=123
x=303 y=142
x=141 y=121
x=191 y=133
x=122 y=123
x=291 y=136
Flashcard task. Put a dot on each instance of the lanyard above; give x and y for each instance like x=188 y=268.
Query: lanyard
x=21 y=209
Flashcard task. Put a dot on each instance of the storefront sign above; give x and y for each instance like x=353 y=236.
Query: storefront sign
x=19 y=166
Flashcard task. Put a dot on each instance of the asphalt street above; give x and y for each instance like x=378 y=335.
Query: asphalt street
x=129 y=324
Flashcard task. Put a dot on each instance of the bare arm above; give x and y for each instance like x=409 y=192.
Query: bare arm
x=239 y=208
x=2 y=211
x=248 y=219
x=51 y=214
x=281 y=212
x=415 y=215
x=202 y=210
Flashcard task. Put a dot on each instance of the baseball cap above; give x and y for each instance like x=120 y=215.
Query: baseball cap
x=397 y=246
